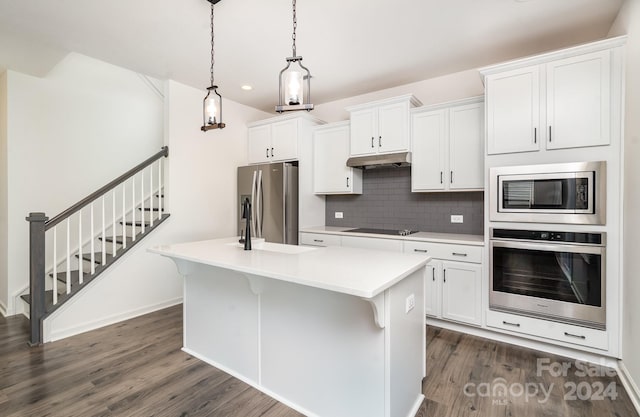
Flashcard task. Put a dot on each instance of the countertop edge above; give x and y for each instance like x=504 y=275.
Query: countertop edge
x=472 y=240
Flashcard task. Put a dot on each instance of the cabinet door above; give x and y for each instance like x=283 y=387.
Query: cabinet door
x=461 y=292
x=432 y=289
x=330 y=154
x=513 y=111
x=364 y=132
x=578 y=101
x=259 y=144
x=393 y=127
x=284 y=140
x=466 y=147
x=428 y=143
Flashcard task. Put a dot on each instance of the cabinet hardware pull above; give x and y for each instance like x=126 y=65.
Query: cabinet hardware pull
x=272 y=152
x=549 y=133
x=372 y=139
x=318 y=240
x=510 y=324
x=347 y=182
x=444 y=275
x=451 y=177
x=535 y=135
x=433 y=273
x=379 y=141
x=575 y=335
x=440 y=177
x=267 y=150
x=458 y=254
x=421 y=250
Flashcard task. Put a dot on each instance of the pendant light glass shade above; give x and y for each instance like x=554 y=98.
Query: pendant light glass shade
x=294 y=85
x=212 y=103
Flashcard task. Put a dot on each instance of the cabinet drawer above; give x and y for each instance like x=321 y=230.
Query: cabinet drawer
x=460 y=253
x=319 y=239
x=372 y=243
x=567 y=333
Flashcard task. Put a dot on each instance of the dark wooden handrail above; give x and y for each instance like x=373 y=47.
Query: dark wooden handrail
x=164 y=152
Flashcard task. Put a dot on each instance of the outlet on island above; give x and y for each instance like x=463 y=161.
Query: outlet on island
x=457 y=218
x=339 y=215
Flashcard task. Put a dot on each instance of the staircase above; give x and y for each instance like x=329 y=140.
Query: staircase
x=83 y=241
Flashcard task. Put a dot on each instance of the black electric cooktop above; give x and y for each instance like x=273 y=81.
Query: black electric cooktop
x=393 y=232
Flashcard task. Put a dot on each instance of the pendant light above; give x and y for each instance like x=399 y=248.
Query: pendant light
x=212 y=103
x=295 y=80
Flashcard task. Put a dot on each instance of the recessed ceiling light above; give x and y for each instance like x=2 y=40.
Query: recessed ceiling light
x=247 y=88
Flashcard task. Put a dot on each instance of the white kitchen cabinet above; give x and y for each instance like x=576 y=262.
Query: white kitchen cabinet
x=461 y=287
x=447 y=146
x=276 y=139
x=562 y=99
x=453 y=281
x=319 y=239
x=372 y=243
x=331 y=175
x=381 y=126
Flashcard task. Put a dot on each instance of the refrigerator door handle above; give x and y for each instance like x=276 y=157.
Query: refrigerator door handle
x=253 y=203
x=259 y=204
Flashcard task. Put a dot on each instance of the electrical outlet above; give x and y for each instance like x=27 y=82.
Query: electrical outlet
x=410 y=303
x=339 y=215
x=457 y=218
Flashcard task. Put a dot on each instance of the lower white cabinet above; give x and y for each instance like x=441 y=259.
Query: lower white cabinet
x=453 y=289
x=318 y=239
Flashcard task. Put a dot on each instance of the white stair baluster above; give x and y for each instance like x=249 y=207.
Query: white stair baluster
x=159 y=189
x=142 y=197
x=151 y=193
x=113 y=221
x=55 y=265
x=124 y=217
x=104 y=237
x=68 y=276
x=134 y=231
x=93 y=243
x=80 y=263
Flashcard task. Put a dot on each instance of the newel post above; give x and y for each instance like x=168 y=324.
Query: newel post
x=36 y=275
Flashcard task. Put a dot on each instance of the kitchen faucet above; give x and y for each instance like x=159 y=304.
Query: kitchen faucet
x=246 y=214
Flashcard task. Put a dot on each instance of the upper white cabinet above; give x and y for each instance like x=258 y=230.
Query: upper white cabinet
x=276 y=139
x=381 y=126
x=447 y=146
x=559 y=100
x=331 y=175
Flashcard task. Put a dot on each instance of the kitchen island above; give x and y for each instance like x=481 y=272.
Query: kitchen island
x=330 y=332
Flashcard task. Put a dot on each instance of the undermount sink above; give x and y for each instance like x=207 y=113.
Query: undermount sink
x=260 y=244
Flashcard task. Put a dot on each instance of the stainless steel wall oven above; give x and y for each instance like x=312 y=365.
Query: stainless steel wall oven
x=554 y=275
x=553 y=193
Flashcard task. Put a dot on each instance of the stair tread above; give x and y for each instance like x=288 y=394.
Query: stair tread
x=48 y=299
x=62 y=276
x=97 y=257
x=149 y=209
x=119 y=239
x=137 y=224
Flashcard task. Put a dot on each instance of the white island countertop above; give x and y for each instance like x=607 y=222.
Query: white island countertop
x=359 y=272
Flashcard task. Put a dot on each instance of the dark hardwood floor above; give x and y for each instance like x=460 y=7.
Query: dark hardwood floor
x=136 y=368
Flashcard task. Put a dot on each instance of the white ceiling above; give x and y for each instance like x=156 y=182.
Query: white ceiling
x=350 y=46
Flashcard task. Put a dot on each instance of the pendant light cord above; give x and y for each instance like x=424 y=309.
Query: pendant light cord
x=295 y=26
x=212 y=43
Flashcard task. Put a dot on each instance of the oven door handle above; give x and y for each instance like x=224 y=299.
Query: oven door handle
x=546 y=247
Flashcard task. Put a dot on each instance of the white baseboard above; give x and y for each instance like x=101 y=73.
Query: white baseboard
x=629 y=385
x=59 y=334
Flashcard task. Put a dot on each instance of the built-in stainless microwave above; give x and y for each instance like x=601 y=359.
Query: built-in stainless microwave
x=572 y=193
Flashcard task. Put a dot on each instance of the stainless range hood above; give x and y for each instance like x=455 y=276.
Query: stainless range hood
x=399 y=159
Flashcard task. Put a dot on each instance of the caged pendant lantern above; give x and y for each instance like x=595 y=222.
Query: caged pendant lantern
x=212 y=103
x=295 y=80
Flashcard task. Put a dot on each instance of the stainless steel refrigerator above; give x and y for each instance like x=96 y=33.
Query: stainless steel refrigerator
x=272 y=190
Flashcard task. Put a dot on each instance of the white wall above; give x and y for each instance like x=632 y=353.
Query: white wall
x=432 y=91
x=69 y=133
x=628 y=22
x=201 y=198
x=4 y=284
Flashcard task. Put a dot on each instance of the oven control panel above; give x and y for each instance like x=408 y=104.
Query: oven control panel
x=552 y=236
